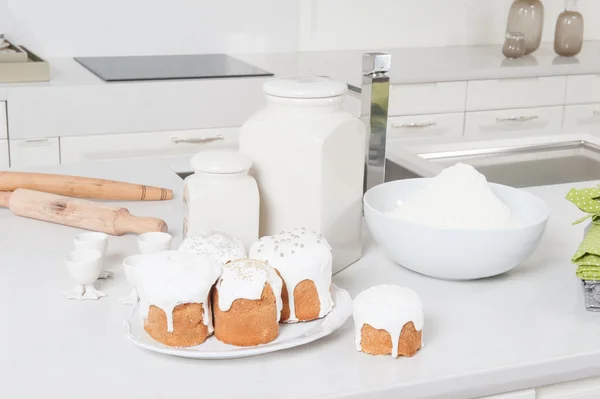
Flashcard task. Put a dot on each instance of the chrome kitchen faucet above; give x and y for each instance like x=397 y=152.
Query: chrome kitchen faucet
x=375 y=95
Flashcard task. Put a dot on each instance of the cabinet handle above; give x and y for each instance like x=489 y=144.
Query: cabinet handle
x=35 y=142
x=516 y=118
x=178 y=140
x=413 y=125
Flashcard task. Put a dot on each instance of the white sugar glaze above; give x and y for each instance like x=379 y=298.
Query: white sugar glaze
x=299 y=255
x=246 y=279
x=214 y=244
x=389 y=308
x=172 y=278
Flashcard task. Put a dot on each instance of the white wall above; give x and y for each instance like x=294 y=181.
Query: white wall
x=347 y=24
x=118 y=27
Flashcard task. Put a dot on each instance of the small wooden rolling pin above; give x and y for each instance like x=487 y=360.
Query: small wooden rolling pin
x=77 y=213
x=82 y=187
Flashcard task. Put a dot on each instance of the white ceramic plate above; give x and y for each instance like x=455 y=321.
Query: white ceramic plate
x=290 y=335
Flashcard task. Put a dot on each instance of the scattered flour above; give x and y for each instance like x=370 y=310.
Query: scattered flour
x=459 y=198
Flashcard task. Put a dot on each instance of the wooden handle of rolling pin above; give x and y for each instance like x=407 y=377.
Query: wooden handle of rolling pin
x=78 y=213
x=82 y=187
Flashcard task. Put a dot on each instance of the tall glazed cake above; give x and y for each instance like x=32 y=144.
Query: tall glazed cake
x=388 y=319
x=174 y=289
x=304 y=261
x=216 y=245
x=247 y=303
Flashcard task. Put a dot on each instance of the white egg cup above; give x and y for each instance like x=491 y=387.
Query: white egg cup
x=129 y=267
x=84 y=266
x=154 y=242
x=96 y=241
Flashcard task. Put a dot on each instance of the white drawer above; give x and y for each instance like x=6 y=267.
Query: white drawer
x=34 y=152
x=526 y=394
x=529 y=121
x=136 y=145
x=582 y=389
x=3 y=124
x=583 y=89
x=516 y=93
x=582 y=118
x=428 y=98
x=425 y=126
x=4 y=160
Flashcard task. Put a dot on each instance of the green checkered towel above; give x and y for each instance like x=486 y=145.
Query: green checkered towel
x=587 y=257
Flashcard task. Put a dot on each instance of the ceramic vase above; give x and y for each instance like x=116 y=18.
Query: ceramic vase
x=527 y=17
x=568 y=38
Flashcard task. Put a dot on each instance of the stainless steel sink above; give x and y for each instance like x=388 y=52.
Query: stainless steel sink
x=520 y=166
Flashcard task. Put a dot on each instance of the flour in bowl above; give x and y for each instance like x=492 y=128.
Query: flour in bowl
x=458 y=198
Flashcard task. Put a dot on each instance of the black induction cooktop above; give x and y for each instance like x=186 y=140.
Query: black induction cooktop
x=159 y=67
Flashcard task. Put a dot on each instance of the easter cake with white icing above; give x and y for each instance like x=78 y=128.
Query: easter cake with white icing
x=303 y=259
x=247 y=303
x=388 y=319
x=174 y=289
x=216 y=245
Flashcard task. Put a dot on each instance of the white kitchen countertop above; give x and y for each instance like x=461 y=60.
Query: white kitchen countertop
x=523 y=329
x=76 y=102
x=435 y=64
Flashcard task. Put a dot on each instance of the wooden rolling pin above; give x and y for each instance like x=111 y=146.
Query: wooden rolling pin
x=77 y=213
x=82 y=187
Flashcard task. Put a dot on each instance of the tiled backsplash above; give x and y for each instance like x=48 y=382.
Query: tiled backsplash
x=342 y=24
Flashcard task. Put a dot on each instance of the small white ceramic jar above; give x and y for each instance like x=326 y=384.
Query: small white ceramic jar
x=221 y=196
x=308 y=158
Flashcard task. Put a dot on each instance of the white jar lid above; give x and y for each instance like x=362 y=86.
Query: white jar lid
x=316 y=87
x=220 y=162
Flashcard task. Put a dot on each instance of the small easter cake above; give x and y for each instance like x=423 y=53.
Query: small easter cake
x=303 y=259
x=388 y=319
x=214 y=244
x=174 y=289
x=247 y=303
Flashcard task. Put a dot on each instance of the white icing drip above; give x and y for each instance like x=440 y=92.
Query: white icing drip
x=171 y=278
x=246 y=278
x=215 y=245
x=299 y=255
x=387 y=307
x=207 y=316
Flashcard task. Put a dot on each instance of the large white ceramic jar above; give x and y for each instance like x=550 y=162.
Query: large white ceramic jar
x=221 y=196
x=308 y=158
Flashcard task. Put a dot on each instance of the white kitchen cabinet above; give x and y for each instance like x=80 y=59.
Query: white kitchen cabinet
x=582 y=389
x=3 y=124
x=526 y=394
x=34 y=152
x=515 y=93
x=422 y=126
x=136 y=145
x=427 y=98
x=583 y=89
x=4 y=159
x=582 y=118
x=528 y=121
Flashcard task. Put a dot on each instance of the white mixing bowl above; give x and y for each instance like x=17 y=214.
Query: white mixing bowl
x=454 y=254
